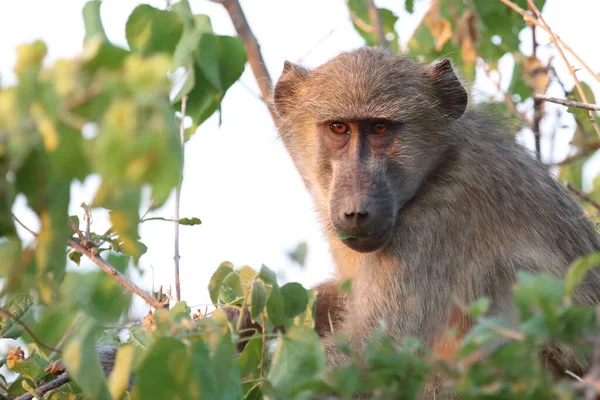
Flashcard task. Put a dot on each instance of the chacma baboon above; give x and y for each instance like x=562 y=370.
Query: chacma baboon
x=426 y=203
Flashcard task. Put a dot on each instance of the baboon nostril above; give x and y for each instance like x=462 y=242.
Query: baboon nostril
x=349 y=215
x=363 y=214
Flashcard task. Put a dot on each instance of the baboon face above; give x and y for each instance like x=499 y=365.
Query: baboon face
x=365 y=129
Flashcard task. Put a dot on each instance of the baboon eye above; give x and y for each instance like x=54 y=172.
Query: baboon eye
x=379 y=128
x=339 y=128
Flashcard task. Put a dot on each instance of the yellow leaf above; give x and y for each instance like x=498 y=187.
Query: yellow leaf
x=118 y=381
x=440 y=28
x=30 y=54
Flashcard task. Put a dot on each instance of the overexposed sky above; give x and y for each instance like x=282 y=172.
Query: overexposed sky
x=238 y=178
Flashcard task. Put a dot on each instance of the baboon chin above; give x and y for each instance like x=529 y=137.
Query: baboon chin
x=424 y=201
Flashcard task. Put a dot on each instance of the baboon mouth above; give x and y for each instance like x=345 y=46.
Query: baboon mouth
x=363 y=243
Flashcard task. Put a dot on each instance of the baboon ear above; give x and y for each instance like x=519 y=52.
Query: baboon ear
x=448 y=88
x=286 y=89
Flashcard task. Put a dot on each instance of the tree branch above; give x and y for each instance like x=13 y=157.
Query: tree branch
x=176 y=255
x=56 y=383
x=583 y=196
x=377 y=23
x=255 y=58
x=112 y=271
x=528 y=18
x=568 y=103
x=569 y=66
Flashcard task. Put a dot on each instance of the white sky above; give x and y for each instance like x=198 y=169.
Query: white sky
x=238 y=178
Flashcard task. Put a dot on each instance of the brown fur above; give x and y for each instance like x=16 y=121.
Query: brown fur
x=452 y=206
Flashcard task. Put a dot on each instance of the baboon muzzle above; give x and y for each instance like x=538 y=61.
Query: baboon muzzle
x=362 y=221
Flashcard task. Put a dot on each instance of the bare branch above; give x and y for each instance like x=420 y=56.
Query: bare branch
x=377 y=23
x=27 y=329
x=529 y=18
x=176 y=256
x=568 y=103
x=18 y=221
x=112 y=271
x=583 y=196
x=255 y=58
x=569 y=66
x=56 y=383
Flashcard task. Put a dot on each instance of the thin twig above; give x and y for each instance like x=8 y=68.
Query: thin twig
x=314 y=46
x=112 y=271
x=18 y=221
x=77 y=231
x=255 y=58
x=569 y=66
x=538 y=106
x=583 y=196
x=27 y=329
x=56 y=383
x=527 y=16
x=568 y=103
x=377 y=23
x=176 y=255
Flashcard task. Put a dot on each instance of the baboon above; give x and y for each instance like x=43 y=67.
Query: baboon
x=426 y=202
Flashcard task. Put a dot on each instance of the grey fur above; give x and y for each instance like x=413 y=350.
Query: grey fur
x=473 y=206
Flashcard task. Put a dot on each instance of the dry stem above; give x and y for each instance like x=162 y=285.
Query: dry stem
x=569 y=66
x=568 y=103
x=255 y=58
x=377 y=23
x=176 y=256
x=56 y=383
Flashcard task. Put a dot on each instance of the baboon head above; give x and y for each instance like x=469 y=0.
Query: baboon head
x=365 y=129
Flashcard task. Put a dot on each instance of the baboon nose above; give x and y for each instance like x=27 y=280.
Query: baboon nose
x=355 y=216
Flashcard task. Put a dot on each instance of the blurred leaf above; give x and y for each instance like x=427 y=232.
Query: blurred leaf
x=295 y=299
x=81 y=359
x=578 y=271
x=258 y=299
x=166 y=373
x=361 y=20
x=214 y=287
x=19 y=306
x=299 y=253
x=479 y=307
x=267 y=275
x=298 y=360
x=250 y=359
x=92 y=20
x=150 y=30
x=275 y=307
x=118 y=381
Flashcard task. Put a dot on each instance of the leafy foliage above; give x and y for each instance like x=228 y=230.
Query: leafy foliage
x=129 y=97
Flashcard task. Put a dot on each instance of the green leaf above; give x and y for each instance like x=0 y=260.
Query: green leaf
x=578 y=270
x=166 y=373
x=479 y=307
x=298 y=360
x=360 y=10
x=81 y=359
x=140 y=337
x=150 y=30
x=189 y=221
x=249 y=360
x=258 y=299
x=75 y=256
x=409 y=5
x=92 y=20
x=231 y=288
x=20 y=307
x=299 y=253
x=97 y=293
x=214 y=286
x=295 y=299
x=275 y=307
x=267 y=275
